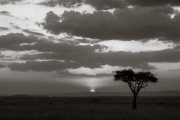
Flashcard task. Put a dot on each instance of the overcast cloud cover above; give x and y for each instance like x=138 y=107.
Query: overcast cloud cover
x=80 y=43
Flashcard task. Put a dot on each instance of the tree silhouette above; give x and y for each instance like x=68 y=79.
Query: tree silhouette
x=136 y=81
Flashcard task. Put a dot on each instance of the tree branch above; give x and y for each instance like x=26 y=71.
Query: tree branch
x=130 y=85
x=144 y=85
x=134 y=87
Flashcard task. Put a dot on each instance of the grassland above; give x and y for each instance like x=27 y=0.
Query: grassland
x=89 y=108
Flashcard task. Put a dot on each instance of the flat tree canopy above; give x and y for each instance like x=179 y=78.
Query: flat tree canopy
x=135 y=80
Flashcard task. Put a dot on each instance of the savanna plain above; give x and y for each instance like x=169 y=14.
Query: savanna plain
x=88 y=108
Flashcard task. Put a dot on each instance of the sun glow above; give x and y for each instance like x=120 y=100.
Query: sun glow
x=92 y=90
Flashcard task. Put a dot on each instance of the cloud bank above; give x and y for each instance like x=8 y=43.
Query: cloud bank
x=124 y=24
x=110 y=4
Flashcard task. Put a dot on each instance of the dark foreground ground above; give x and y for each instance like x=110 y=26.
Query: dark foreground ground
x=89 y=108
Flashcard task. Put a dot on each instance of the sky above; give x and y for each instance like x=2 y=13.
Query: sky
x=69 y=46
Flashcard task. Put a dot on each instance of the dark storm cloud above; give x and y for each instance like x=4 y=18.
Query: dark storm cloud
x=126 y=24
x=3 y=28
x=33 y=33
x=3 y=2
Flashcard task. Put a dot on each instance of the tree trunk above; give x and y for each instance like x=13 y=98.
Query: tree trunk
x=134 y=101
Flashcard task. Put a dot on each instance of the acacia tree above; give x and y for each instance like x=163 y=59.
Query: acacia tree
x=136 y=81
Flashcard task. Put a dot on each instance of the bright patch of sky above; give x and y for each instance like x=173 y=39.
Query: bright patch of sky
x=104 y=69
x=166 y=66
x=16 y=54
x=25 y=16
x=136 y=46
x=107 y=69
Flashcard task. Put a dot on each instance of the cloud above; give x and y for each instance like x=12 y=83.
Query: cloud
x=29 y=31
x=11 y=41
x=168 y=55
x=45 y=66
x=174 y=70
x=106 y=4
x=76 y=56
x=64 y=3
x=98 y=4
x=51 y=19
x=2 y=66
x=66 y=73
x=125 y=24
x=177 y=47
x=146 y=3
x=83 y=56
x=14 y=42
x=3 y=28
x=124 y=59
x=110 y=4
x=3 y=2
x=41 y=66
x=96 y=60
x=33 y=33
x=62 y=48
x=6 y=13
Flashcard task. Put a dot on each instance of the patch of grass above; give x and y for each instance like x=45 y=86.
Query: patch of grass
x=108 y=108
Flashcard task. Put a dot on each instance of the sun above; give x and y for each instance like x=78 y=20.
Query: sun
x=92 y=90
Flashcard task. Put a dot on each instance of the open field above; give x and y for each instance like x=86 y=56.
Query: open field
x=89 y=108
